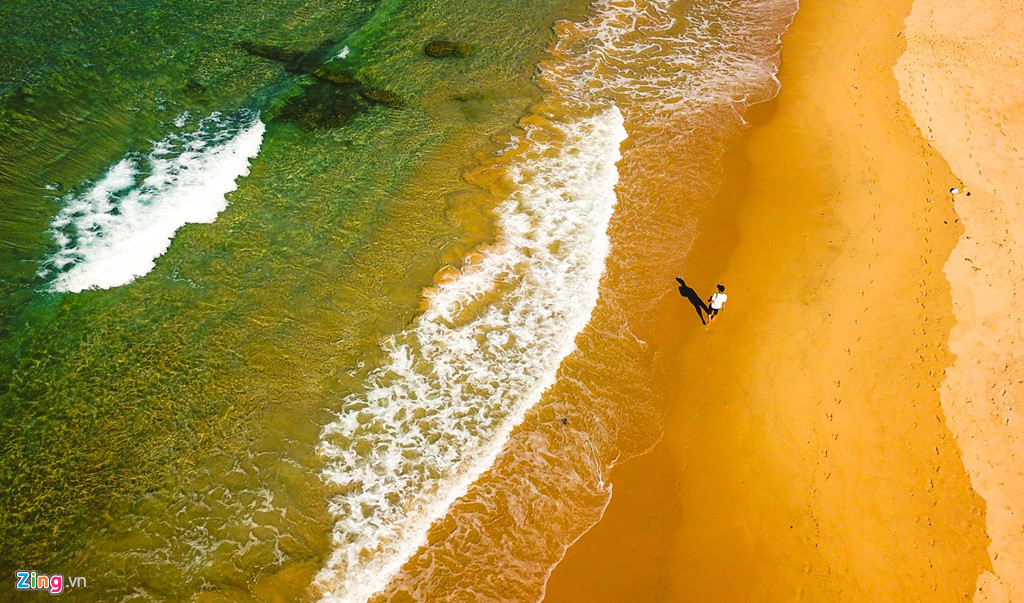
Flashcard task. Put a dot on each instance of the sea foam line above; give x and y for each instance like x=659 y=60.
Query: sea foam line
x=679 y=71
x=436 y=414
x=666 y=59
x=112 y=233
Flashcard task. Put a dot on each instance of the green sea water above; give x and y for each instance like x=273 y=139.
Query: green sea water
x=159 y=438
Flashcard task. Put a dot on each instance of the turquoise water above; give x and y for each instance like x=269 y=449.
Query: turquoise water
x=159 y=437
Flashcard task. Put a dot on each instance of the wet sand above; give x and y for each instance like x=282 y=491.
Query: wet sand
x=808 y=454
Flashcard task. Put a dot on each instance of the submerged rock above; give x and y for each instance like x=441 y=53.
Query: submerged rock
x=321 y=105
x=382 y=97
x=314 y=59
x=333 y=98
x=194 y=88
x=294 y=59
x=440 y=49
x=274 y=53
x=334 y=76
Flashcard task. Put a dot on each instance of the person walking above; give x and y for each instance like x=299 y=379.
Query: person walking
x=715 y=302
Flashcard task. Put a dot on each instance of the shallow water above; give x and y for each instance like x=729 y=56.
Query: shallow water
x=227 y=406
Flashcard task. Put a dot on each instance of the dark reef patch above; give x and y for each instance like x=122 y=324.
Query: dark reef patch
x=322 y=105
x=334 y=76
x=381 y=96
x=274 y=53
x=194 y=88
x=441 y=49
x=333 y=97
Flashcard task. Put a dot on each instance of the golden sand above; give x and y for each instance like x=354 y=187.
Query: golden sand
x=809 y=454
x=963 y=79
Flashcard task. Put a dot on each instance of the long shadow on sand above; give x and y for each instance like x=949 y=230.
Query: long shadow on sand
x=698 y=304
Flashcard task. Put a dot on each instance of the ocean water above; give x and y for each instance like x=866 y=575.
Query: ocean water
x=291 y=310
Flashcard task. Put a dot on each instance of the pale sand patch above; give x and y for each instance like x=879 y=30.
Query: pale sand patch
x=808 y=455
x=962 y=77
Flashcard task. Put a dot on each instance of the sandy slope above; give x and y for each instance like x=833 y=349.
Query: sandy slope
x=809 y=454
x=962 y=77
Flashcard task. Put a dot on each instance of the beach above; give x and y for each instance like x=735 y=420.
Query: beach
x=845 y=430
x=402 y=301
x=345 y=300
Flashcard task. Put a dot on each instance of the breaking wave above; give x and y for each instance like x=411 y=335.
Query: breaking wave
x=437 y=412
x=112 y=233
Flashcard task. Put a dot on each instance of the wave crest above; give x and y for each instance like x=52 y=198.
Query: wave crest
x=439 y=410
x=112 y=233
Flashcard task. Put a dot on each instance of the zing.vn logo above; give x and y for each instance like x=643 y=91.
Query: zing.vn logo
x=54 y=584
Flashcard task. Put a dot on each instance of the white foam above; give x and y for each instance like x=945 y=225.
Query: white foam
x=439 y=410
x=671 y=65
x=640 y=51
x=112 y=233
x=342 y=53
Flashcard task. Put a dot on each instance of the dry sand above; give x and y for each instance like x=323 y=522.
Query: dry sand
x=809 y=453
x=963 y=79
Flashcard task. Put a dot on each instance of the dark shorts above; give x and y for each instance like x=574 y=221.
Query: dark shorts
x=712 y=311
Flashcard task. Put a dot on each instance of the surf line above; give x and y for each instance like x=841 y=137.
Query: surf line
x=111 y=232
x=438 y=411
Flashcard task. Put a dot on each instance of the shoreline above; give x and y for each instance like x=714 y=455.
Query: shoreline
x=844 y=483
x=550 y=485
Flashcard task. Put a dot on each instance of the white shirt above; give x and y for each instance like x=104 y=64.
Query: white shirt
x=718 y=300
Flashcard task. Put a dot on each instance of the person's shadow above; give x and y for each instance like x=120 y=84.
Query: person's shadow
x=690 y=294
